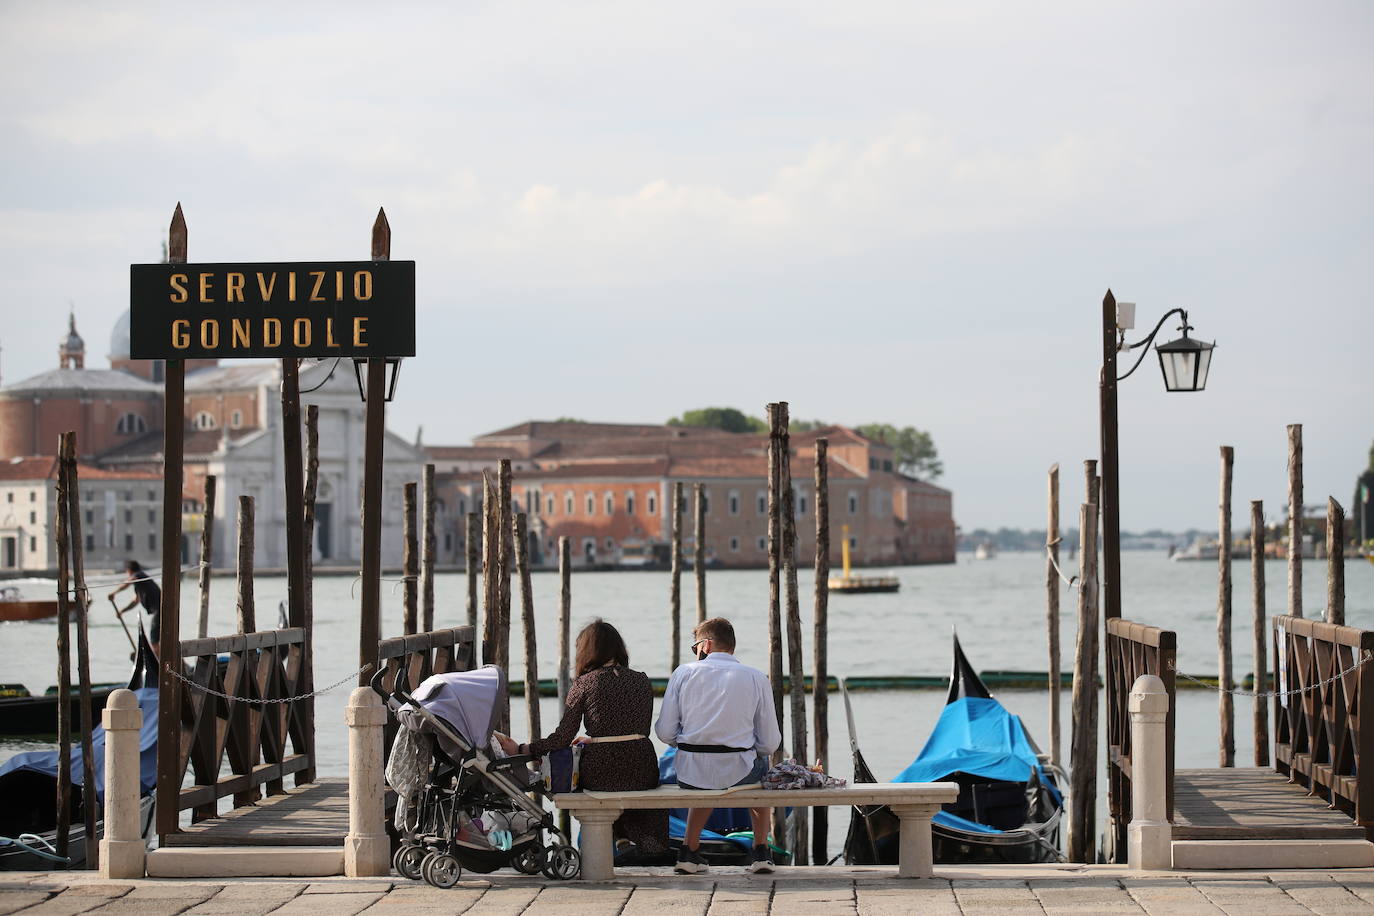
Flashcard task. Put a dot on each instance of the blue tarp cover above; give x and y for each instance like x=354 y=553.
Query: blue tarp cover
x=977 y=736
x=46 y=761
x=962 y=823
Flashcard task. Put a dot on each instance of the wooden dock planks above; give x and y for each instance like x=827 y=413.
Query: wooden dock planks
x=1251 y=803
x=315 y=814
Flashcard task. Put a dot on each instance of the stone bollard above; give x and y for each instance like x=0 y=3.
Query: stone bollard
x=367 y=849
x=1149 y=840
x=122 y=849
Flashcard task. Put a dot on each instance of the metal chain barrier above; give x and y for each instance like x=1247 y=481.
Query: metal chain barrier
x=1278 y=693
x=304 y=696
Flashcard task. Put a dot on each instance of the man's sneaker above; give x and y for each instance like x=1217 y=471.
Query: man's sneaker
x=690 y=862
x=762 y=863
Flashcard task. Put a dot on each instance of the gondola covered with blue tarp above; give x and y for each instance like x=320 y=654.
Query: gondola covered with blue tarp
x=1009 y=804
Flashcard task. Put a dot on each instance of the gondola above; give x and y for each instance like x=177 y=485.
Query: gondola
x=28 y=787
x=1009 y=804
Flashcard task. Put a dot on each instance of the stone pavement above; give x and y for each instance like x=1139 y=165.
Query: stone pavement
x=958 y=890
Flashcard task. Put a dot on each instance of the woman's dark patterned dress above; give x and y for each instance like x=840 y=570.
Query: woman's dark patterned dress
x=615 y=701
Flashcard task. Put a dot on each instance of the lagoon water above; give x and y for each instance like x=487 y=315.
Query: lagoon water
x=997 y=605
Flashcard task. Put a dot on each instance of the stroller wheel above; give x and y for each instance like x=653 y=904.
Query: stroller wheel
x=528 y=859
x=442 y=870
x=408 y=861
x=561 y=863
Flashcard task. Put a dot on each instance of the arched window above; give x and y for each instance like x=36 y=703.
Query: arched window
x=630 y=503
x=568 y=504
x=549 y=503
x=131 y=424
x=591 y=504
x=204 y=420
x=610 y=504
x=236 y=419
x=653 y=504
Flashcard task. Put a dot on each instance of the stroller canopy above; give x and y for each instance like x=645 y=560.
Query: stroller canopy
x=464 y=699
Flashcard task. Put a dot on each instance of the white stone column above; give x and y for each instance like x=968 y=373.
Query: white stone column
x=598 y=853
x=122 y=850
x=916 y=853
x=1149 y=839
x=367 y=849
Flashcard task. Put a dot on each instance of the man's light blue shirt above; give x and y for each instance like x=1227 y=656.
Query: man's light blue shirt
x=718 y=700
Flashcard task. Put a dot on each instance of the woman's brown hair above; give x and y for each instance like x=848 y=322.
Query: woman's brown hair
x=597 y=644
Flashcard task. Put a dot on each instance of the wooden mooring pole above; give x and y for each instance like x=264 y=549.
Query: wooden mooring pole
x=1295 y=519
x=796 y=667
x=564 y=646
x=312 y=487
x=1052 y=610
x=522 y=565
x=207 y=547
x=699 y=546
x=1082 y=844
x=169 y=770
x=82 y=605
x=429 y=546
x=1260 y=632
x=410 y=561
x=820 y=689
x=64 y=658
x=504 y=528
x=675 y=582
x=1335 y=562
x=777 y=422
x=1225 y=675
x=244 y=600
x=491 y=569
x=374 y=445
x=564 y=621
x=775 y=563
x=472 y=545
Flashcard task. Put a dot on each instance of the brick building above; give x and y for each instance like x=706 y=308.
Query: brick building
x=608 y=488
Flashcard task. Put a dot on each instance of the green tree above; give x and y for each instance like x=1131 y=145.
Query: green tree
x=726 y=418
x=916 y=454
x=806 y=426
x=569 y=420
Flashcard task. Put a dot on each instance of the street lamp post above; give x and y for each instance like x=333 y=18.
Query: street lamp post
x=1184 y=364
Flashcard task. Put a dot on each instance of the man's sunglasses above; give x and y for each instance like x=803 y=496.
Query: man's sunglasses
x=699 y=642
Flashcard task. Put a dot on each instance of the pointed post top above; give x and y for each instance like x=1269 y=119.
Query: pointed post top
x=176 y=238
x=381 y=237
x=1109 y=299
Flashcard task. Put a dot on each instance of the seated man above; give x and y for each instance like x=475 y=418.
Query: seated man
x=719 y=715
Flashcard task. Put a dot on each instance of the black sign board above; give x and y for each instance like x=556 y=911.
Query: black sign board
x=326 y=308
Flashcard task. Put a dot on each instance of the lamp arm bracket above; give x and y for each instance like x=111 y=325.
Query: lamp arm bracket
x=1150 y=339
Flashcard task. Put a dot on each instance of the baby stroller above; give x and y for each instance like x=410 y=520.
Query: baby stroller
x=467 y=808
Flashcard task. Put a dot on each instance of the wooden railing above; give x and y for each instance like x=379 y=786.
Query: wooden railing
x=1134 y=649
x=253 y=736
x=408 y=660
x=1318 y=741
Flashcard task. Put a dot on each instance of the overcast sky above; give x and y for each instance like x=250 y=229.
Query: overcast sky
x=905 y=212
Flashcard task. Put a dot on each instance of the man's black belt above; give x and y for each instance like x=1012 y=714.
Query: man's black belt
x=712 y=748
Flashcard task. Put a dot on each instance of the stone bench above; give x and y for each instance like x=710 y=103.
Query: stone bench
x=913 y=802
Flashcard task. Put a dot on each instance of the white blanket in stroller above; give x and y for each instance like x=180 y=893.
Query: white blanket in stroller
x=464 y=699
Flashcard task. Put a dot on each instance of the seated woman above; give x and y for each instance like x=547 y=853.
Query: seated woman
x=616 y=705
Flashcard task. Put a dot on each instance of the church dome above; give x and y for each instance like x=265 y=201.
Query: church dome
x=119 y=338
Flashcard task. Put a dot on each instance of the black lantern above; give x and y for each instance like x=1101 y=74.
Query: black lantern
x=1185 y=362
x=393 y=369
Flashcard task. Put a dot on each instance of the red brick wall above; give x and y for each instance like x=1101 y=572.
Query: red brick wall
x=94 y=420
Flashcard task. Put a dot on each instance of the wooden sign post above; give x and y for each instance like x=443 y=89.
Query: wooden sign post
x=364 y=310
